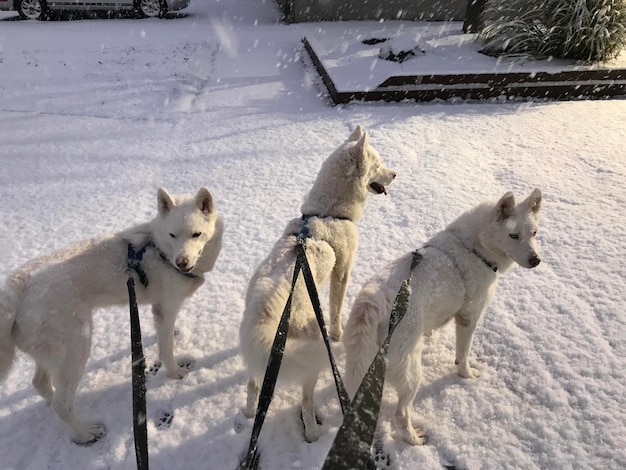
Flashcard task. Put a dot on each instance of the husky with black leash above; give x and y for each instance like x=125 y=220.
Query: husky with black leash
x=46 y=308
x=330 y=212
x=454 y=280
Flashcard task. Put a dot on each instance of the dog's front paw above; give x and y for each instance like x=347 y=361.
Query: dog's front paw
x=312 y=425
x=88 y=434
x=336 y=333
x=181 y=368
x=177 y=373
x=312 y=433
x=468 y=372
x=412 y=436
x=242 y=422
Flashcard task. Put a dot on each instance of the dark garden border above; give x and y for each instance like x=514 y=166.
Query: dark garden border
x=564 y=85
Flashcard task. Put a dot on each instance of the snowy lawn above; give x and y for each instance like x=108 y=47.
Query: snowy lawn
x=96 y=114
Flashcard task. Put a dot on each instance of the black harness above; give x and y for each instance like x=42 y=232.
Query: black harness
x=135 y=257
x=304 y=233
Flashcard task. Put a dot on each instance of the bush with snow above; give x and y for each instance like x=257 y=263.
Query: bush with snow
x=585 y=30
x=402 y=47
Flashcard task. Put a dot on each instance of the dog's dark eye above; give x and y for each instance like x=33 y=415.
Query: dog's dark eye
x=196 y=235
x=172 y=235
x=514 y=236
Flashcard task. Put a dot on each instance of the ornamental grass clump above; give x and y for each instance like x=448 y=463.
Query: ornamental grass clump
x=583 y=30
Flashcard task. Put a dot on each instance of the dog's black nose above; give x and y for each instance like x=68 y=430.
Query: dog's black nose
x=182 y=262
x=534 y=261
x=393 y=175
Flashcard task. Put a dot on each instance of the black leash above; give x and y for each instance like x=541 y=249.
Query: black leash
x=140 y=429
x=351 y=448
x=344 y=398
x=251 y=460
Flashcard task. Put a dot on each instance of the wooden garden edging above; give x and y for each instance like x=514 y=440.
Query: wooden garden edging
x=564 y=85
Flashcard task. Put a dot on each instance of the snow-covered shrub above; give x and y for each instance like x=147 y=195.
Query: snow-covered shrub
x=586 y=30
x=402 y=47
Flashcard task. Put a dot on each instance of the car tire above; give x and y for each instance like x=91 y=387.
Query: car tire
x=151 y=8
x=32 y=9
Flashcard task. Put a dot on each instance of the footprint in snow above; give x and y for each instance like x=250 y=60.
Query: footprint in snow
x=163 y=419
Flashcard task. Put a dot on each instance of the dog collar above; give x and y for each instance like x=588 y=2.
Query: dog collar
x=492 y=266
x=304 y=233
x=135 y=257
x=306 y=217
x=489 y=264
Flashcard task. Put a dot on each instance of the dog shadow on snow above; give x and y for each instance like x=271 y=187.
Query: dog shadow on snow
x=219 y=444
x=97 y=400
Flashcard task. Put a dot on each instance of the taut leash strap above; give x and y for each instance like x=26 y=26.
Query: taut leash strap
x=250 y=462
x=140 y=429
x=344 y=399
x=351 y=448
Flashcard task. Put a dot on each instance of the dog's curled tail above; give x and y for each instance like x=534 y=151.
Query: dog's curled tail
x=361 y=337
x=9 y=298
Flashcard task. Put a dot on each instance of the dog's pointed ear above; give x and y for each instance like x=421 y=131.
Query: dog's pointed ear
x=505 y=206
x=358 y=150
x=204 y=201
x=164 y=201
x=356 y=134
x=533 y=202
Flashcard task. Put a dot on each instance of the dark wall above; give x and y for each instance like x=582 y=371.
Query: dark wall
x=327 y=10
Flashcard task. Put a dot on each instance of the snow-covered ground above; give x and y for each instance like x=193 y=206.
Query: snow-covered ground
x=96 y=114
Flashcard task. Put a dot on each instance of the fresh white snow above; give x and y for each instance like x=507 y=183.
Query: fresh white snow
x=96 y=114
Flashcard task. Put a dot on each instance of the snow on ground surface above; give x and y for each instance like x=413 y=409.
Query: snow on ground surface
x=96 y=114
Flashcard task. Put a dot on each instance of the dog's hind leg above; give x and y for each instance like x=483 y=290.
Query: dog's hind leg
x=406 y=384
x=252 y=399
x=338 y=286
x=311 y=426
x=66 y=375
x=41 y=382
x=242 y=420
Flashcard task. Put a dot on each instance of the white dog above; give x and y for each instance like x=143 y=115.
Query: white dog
x=455 y=279
x=330 y=212
x=46 y=308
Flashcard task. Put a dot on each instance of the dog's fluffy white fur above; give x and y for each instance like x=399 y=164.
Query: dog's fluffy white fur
x=46 y=307
x=453 y=280
x=335 y=203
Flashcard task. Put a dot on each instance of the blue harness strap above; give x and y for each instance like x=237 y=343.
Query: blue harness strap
x=135 y=257
x=134 y=261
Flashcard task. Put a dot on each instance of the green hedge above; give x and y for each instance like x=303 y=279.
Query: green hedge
x=585 y=30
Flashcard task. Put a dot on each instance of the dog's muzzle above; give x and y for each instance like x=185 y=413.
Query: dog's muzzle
x=378 y=188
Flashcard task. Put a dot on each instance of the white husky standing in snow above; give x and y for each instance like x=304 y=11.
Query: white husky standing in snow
x=330 y=212
x=455 y=279
x=46 y=308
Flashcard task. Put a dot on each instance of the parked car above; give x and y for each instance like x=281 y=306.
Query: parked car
x=39 y=9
